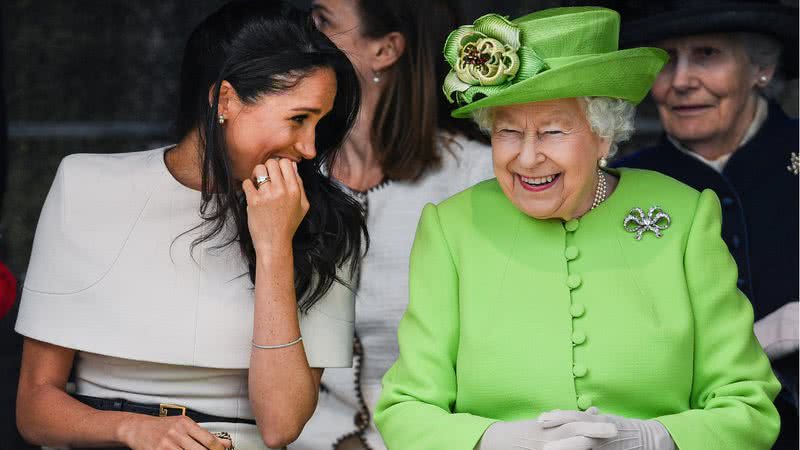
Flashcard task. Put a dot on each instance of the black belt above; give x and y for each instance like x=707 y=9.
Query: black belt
x=162 y=410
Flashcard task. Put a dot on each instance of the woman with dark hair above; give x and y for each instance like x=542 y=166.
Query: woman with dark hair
x=202 y=283
x=405 y=151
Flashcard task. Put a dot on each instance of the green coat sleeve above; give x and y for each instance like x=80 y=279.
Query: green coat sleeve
x=415 y=410
x=733 y=384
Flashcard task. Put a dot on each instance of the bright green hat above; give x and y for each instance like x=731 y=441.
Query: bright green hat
x=555 y=53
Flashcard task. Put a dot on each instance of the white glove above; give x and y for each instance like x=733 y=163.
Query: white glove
x=778 y=331
x=532 y=435
x=632 y=434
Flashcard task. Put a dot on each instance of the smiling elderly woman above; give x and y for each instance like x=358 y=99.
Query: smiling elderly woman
x=565 y=305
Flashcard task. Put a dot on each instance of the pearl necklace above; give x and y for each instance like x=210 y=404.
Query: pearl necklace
x=601 y=190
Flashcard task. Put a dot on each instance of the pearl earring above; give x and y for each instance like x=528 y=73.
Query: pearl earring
x=602 y=163
x=376 y=77
x=763 y=79
x=221 y=119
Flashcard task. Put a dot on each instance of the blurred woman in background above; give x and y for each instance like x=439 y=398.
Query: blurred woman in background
x=404 y=151
x=723 y=132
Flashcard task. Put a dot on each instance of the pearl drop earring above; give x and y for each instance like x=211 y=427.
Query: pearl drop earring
x=221 y=119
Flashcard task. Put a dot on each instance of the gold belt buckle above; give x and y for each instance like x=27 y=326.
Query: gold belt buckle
x=164 y=408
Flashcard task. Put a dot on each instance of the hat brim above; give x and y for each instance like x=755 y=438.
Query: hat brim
x=778 y=21
x=626 y=74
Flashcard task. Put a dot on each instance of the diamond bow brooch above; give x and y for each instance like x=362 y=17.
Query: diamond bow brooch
x=656 y=220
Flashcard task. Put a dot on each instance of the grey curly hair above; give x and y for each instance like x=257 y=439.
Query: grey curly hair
x=610 y=118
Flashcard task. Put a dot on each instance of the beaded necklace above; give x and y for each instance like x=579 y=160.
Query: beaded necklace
x=601 y=191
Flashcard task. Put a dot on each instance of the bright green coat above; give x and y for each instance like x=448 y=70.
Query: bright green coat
x=511 y=316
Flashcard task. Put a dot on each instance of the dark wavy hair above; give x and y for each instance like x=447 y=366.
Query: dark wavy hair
x=409 y=149
x=262 y=48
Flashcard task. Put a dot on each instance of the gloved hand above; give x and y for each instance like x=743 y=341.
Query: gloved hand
x=532 y=435
x=632 y=434
x=778 y=331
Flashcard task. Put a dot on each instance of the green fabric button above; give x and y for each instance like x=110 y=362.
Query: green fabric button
x=578 y=337
x=573 y=281
x=571 y=252
x=584 y=402
x=579 y=370
x=571 y=225
x=577 y=310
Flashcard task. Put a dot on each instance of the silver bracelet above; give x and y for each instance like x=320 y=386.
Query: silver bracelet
x=268 y=347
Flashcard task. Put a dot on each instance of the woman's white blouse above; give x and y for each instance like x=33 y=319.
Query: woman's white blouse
x=392 y=217
x=113 y=275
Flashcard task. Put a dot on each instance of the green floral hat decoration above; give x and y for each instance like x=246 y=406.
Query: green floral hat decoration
x=550 y=54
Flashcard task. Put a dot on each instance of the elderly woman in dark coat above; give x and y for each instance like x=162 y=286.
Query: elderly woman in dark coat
x=722 y=133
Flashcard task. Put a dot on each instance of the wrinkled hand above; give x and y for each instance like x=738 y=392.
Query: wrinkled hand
x=276 y=208
x=532 y=435
x=633 y=434
x=170 y=433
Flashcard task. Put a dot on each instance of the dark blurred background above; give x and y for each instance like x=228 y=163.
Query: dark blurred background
x=100 y=76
